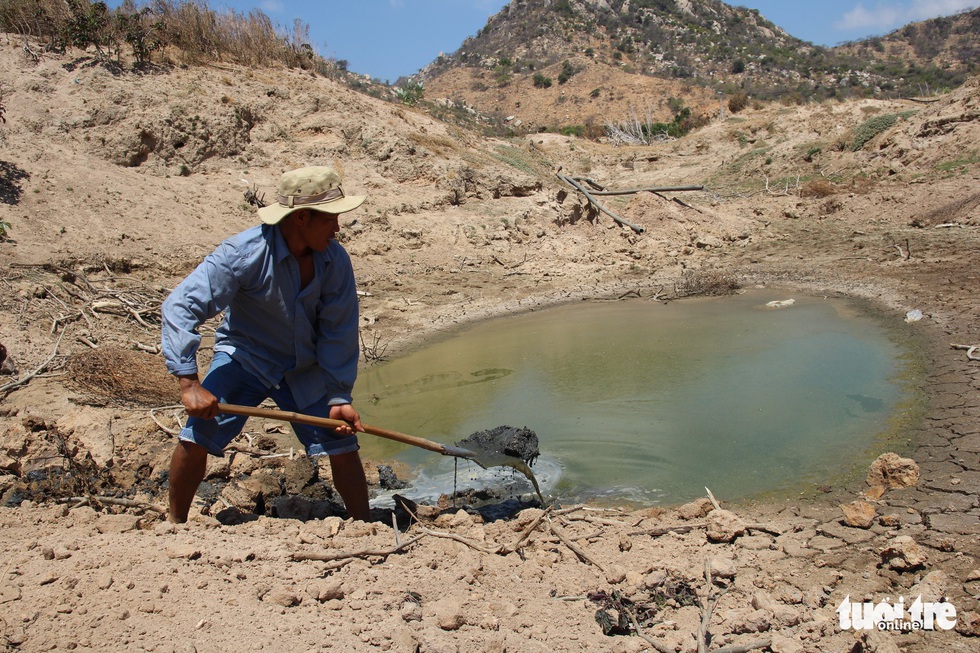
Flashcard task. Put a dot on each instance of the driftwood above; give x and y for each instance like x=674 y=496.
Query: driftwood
x=525 y=534
x=363 y=553
x=568 y=180
x=708 y=604
x=970 y=350
x=77 y=502
x=599 y=190
x=576 y=549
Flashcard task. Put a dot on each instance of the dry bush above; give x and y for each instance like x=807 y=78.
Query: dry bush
x=738 y=102
x=187 y=29
x=708 y=282
x=114 y=376
x=818 y=188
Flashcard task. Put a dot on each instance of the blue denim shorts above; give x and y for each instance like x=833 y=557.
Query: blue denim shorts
x=231 y=384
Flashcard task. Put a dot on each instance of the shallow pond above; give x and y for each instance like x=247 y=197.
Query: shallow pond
x=644 y=402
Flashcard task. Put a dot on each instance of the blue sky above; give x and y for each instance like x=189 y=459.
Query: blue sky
x=388 y=39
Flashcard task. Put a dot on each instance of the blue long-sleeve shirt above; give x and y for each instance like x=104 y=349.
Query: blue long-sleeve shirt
x=272 y=327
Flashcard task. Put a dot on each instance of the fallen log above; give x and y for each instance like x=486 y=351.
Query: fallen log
x=568 y=180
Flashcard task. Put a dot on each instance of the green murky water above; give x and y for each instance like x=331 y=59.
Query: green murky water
x=643 y=402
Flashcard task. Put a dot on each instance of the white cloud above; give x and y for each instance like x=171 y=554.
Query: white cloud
x=885 y=16
x=272 y=6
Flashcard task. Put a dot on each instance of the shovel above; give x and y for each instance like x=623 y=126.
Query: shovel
x=326 y=422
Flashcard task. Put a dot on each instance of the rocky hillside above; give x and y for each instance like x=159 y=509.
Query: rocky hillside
x=556 y=64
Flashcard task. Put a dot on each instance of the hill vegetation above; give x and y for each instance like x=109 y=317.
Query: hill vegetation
x=716 y=45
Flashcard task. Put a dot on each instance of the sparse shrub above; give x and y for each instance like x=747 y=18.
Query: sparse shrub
x=871 y=128
x=4 y=231
x=410 y=93
x=675 y=104
x=567 y=70
x=738 y=102
x=595 y=93
x=738 y=67
x=541 y=81
x=573 y=130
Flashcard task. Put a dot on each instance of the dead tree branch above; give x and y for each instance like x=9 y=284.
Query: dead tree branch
x=568 y=180
x=576 y=549
x=112 y=501
x=363 y=553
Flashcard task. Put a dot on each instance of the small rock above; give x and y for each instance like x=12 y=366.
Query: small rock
x=968 y=624
x=782 y=644
x=903 y=554
x=449 y=614
x=327 y=590
x=104 y=581
x=859 y=514
x=932 y=588
x=283 y=596
x=722 y=568
x=762 y=601
x=411 y=611
x=972 y=575
x=724 y=526
x=122 y=523
x=754 y=622
x=695 y=509
x=890 y=520
x=185 y=551
x=615 y=574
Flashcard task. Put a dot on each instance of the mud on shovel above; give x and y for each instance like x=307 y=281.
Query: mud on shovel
x=404 y=438
x=484 y=459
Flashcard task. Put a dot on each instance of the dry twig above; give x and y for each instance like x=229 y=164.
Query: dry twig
x=363 y=553
x=576 y=549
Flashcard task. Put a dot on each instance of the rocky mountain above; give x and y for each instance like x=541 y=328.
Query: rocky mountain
x=604 y=58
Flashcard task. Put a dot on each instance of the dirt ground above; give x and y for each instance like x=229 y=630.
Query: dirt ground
x=115 y=185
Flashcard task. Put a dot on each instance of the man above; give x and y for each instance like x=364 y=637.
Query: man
x=289 y=332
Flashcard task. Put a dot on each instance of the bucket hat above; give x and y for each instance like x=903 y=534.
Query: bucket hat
x=314 y=187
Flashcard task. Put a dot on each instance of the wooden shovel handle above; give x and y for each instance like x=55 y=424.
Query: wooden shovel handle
x=287 y=416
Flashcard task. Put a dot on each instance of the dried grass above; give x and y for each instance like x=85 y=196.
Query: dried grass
x=117 y=376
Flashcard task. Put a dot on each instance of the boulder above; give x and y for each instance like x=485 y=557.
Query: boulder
x=890 y=471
